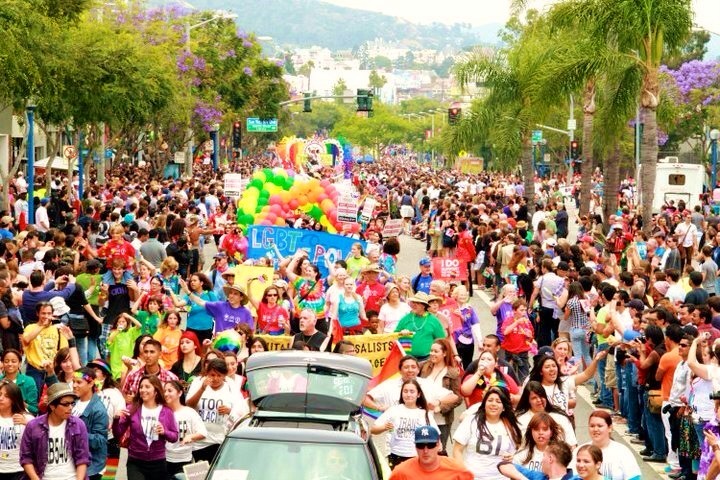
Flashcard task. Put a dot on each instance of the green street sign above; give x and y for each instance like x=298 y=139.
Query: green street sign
x=536 y=136
x=254 y=124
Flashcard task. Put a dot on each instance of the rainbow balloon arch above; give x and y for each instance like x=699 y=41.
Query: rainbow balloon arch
x=276 y=194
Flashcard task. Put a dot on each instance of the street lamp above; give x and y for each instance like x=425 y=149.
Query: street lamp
x=30 y=109
x=221 y=15
x=714 y=136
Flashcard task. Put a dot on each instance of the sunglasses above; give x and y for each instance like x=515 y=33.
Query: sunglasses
x=67 y=404
x=423 y=446
x=271 y=295
x=684 y=345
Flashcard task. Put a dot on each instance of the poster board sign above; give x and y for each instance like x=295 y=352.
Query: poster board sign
x=196 y=471
x=449 y=269
x=368 y=209
x=471 y=164
x=280 y=242
x=232 y=184
x=347 y=208
x=243 y=273
x=393 y=227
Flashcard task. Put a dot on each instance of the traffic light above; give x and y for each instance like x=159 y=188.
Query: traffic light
x=364 y=100
x=237 y=136
x=574 y=153
x=454 y=115
x=307 y=107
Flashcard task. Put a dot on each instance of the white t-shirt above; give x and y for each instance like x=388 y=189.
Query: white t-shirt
x=481 y=456
x=405 y=421
x=114 y=402
x=10 y=435
x=60 y=465
x=562 y=420
x=391 y=315
x=189 y=423
x=149 y=418
x=215 y=423
x=80 y=407
x=535 y=463
x=618 y=462
x=559 y=397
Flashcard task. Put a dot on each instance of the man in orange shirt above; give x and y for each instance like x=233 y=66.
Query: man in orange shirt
x=429 y=464
x=665 y=372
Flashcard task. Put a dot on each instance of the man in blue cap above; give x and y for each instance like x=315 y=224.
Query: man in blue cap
x=421 y=281
x=429 y=464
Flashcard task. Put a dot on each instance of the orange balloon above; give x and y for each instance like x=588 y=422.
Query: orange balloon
x=280 y=222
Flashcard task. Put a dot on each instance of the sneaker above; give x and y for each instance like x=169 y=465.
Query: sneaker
x=676 y=476
x=655 y=459
x=671 y=470
x=637 y=441
x=645 y=452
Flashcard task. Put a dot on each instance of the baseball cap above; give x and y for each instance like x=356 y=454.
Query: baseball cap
x=425 y=262
x=637 y=304
x=220 y=255
x=426 y=435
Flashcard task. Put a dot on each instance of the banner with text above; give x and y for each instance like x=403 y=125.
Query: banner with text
x=347 y=208
x=375 y=348
x=324 y=249
x=449 y=269
x=393 y=227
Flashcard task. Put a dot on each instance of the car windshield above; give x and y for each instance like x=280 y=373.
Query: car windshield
x=242 y=459
x=306 y=388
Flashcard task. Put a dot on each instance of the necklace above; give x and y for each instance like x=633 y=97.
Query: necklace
x=414 y=323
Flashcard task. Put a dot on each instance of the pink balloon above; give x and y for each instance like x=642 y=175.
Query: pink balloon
x=293 y=204
x=265 y=223
x=275 y=200
x=322 y=197
x=325 y=183
x=276 y=210
x=355 y=227
x=270 y=218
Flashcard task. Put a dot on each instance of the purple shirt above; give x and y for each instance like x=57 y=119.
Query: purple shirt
x=469 y=318
x=34 y=443
x=504 y=312
x=226 y=317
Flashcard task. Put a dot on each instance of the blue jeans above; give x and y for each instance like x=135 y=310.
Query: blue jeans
x=580 y=346
x=631 y=398
x=87 y=349
x=606 y=397
x=656 y=431
x=38 y=377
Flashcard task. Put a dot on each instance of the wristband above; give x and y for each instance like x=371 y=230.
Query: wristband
x=72 y=343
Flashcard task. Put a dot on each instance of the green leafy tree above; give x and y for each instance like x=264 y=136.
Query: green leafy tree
x=376 y=81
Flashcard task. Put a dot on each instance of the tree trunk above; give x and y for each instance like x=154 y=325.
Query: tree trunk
x=587 y=147
x=611 y=187
x=648 y=162
x=528 y=174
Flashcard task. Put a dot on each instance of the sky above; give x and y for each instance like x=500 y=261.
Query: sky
x=481 y=12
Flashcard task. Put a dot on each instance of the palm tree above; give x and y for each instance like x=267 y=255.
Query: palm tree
x=509 y=112
x=641 y=30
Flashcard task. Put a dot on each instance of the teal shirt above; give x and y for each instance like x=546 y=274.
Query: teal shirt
x=29 y=391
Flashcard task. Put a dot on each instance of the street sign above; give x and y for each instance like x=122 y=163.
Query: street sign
x=572 y=124
x=70 y=152
x=536 y=136
x=256 y=125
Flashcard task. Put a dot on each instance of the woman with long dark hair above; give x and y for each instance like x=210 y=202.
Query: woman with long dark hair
x=12 y=360
x=13 y=418
x=483 y=440
x=534 y=400
x=402 y=419
x=191 y=429
x=152 y=425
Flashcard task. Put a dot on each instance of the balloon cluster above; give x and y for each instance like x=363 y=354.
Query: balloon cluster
x=276 y=194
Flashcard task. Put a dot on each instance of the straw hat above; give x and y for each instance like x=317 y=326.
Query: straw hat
x=237 y=288
x=420 y=297
x=373 y=267
x=59 y=390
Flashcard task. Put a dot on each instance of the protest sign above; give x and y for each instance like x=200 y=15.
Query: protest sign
x=393 y=227
x=368 y=209
x=232 y=184
x=347 y=208
x=276 y=342
x=324 y=249
x=449 y=269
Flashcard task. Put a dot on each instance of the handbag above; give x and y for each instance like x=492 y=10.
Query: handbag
x=655 y=401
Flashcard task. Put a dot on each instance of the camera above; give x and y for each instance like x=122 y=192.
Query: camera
x=641 y=339
x=715 y=396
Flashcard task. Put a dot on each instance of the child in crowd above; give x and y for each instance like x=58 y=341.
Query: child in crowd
x=168 y=334
x=121 y=342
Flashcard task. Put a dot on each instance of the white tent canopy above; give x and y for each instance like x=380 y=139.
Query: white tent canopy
x=59 y=163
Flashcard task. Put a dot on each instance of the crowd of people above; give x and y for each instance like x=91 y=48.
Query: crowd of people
x=110 y=308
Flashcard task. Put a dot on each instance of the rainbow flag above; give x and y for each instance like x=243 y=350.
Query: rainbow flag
x=406 y=343
x=389 y=370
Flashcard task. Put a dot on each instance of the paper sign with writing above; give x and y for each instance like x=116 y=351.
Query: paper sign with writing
x=393 y=227
x=347 y=209
x=368 y=209
x=448 y=269
x=233 y=185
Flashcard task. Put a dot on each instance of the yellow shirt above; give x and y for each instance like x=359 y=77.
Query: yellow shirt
x=45 y=346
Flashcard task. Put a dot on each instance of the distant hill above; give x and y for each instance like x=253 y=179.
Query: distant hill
x=306 y=23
